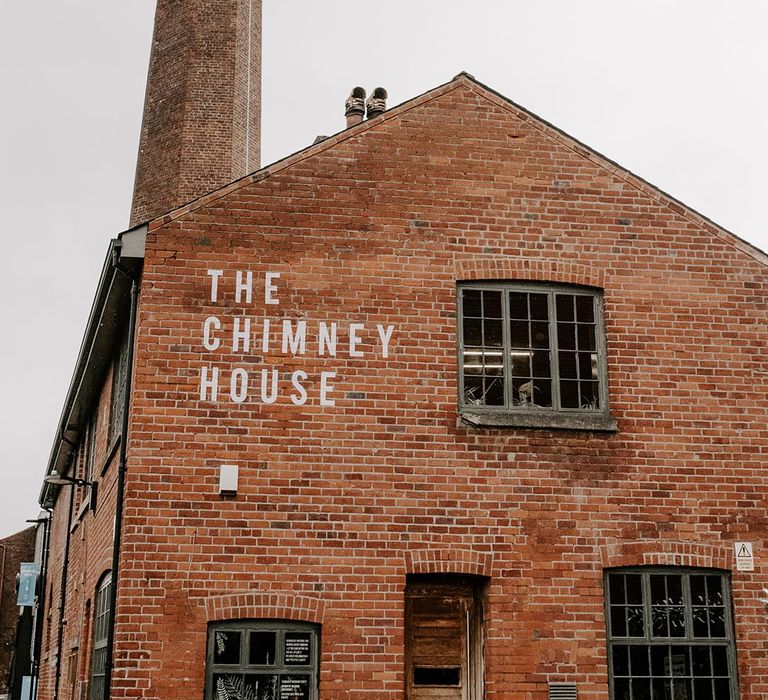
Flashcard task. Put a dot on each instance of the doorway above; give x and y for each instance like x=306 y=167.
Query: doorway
x=443 y=637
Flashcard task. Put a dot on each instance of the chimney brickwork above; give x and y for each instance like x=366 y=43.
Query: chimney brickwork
x=202 y=116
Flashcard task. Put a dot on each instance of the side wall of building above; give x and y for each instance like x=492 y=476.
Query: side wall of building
x=338 y=503
x=90 y=557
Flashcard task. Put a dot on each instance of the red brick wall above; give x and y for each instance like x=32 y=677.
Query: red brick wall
x=14 y=549
x=90 y=556
x=337 y=504
x=202 y=115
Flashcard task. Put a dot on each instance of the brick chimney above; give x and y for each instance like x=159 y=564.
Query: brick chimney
x=202 y=110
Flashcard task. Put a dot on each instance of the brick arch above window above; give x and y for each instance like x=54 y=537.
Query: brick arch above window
x=448 y=561
x=663 y=553
x=504 y=267
x=264 y=606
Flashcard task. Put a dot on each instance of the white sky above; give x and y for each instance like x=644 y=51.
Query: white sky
x=673 y=90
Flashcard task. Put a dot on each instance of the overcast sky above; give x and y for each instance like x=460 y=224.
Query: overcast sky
x=673 y=90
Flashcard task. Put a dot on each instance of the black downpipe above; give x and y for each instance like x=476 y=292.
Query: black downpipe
x=121 y=472
x=63 y=596
x=40 y=612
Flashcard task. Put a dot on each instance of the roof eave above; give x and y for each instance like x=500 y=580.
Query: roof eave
x=109 y=308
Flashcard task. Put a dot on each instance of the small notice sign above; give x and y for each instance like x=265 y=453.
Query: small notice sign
x=296 y=649
x=294 y=688
x=745 y=561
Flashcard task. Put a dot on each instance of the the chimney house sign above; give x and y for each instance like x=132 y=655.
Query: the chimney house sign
x=243 y=334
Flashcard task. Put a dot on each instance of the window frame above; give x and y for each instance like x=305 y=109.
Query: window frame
x=281 y=628
x=120 y=372
x=689 y=639
x=102 y=619
x=536 y=417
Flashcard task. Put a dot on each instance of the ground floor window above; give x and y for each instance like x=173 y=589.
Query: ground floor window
x=670 y=634
x=262 y=660
x=443 y=637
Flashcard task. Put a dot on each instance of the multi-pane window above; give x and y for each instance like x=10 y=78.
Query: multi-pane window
x=101 y=624
x=90 y=453
x=670 y=635
x=119 y=382
x=262 y=661
x=528 y=347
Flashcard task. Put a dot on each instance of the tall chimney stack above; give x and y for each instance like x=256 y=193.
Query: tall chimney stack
x=202 y=110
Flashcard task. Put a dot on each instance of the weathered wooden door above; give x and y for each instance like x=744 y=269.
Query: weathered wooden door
x=442 y=638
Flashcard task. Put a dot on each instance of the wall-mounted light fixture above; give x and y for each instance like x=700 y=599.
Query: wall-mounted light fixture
x=56 y=479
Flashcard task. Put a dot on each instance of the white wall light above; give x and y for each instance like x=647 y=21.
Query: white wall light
x=228 y=479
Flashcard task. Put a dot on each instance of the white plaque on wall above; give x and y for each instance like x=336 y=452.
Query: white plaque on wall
x=745 y=561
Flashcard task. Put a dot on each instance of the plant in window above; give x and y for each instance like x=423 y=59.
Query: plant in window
x=233 y=688
x=474 y=396
x=220 y=643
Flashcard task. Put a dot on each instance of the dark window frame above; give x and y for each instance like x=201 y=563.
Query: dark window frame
x=120 y=371
x=102 y=619
x=90 y=448
x=279 y=667
x=516 y=413
x=651 y=640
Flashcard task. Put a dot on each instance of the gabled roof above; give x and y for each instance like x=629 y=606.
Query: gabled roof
x=544 y=127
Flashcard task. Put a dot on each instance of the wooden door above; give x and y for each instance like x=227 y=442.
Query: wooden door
x=440 y=615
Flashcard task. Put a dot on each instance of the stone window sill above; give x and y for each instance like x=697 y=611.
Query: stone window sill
x=600 y=422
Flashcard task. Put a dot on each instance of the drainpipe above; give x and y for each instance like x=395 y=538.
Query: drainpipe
x=63 y=596
x=121 y=473
x=40 y=613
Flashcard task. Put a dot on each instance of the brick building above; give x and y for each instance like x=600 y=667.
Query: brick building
x=447 y=405
x=14 y=550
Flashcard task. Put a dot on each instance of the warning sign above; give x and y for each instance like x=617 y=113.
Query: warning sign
x=745 y=561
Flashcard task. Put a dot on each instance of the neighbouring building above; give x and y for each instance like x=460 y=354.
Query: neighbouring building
x=447 y=405
x=14 y=620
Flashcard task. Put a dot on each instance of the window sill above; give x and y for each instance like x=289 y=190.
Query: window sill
x=559 y=421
